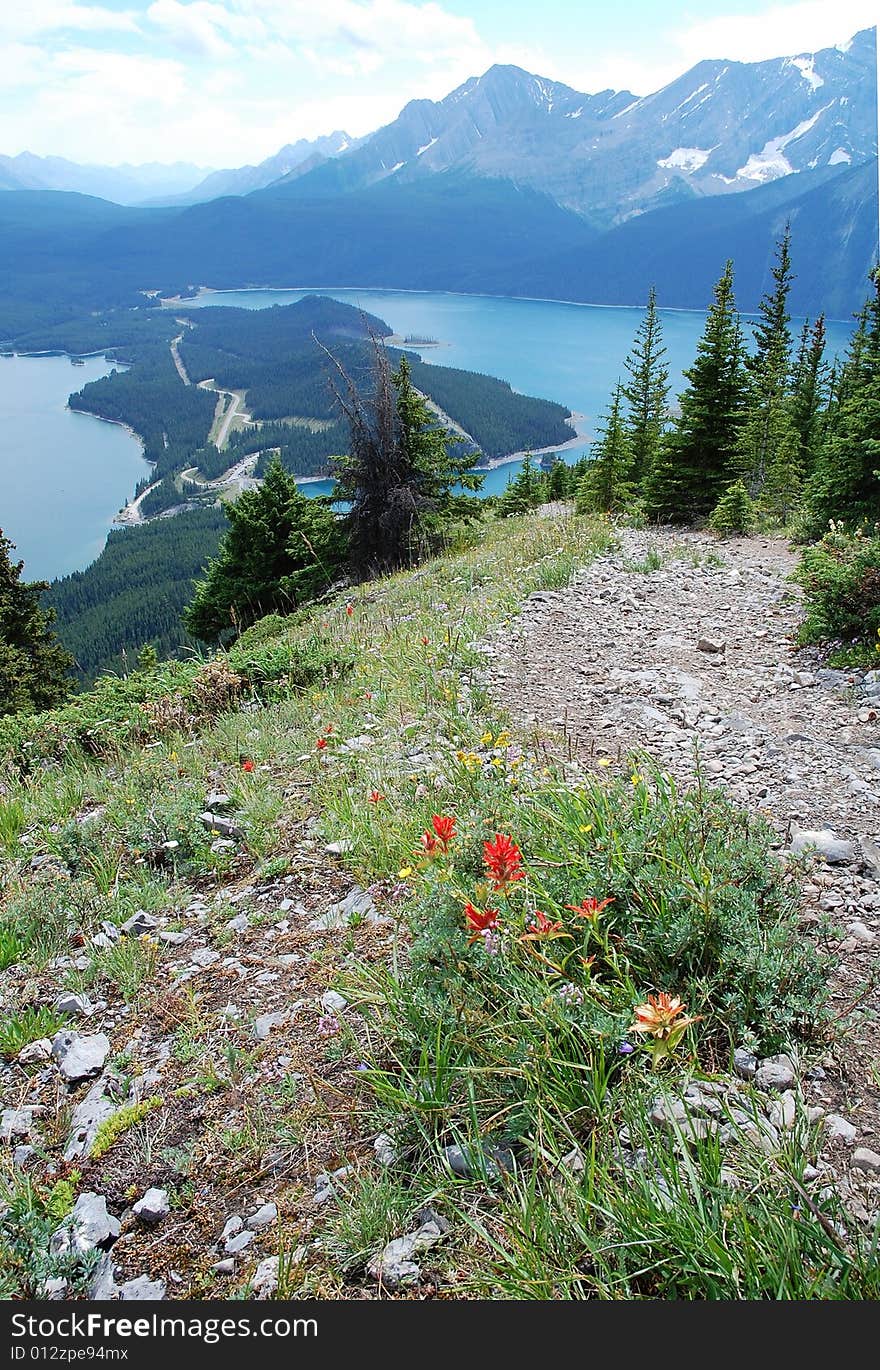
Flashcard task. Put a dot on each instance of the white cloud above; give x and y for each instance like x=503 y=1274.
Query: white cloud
x=34 y=18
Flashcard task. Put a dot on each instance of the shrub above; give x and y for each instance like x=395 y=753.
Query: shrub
x=734 y=512
x=20 y=1029
x=841 y=579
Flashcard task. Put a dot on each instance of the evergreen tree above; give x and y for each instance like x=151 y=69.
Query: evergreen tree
x=404 y=476
x=647 y=390
x=34 y=667
x=768 y=373
x=811 y=390
x=783 y=484
x=280 y=550
x=697 y=459
x=845 y=484
x=525 y=491
x=734 y=512
x=558 y=480
x=606 y=485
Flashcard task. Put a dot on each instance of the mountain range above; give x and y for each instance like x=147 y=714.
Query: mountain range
x=512 y=184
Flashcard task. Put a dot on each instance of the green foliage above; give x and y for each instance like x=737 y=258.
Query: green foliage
x=499 y=420
x=114 y=1127
x=34 y=667
x=402 y=476
x=841 y=579
x=697 y=459
x=647 y=390
x=767 y=429
x=135 y=592
x=606 y=486
x=10 y=948
x=20 y=1029
x=525 y=491
x=281 y=550
x=845 y=485
x=734 y=512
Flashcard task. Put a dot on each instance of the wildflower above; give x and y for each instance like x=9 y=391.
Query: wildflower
x=636 y=780
x=491 y=942
x=661 y=1020
x=626 y=1049
x=327 y=1025
x=585 y=827
x=590 y=907
x=424 y=642
x=503 y=739
x=349 y=609
x=404 y=873
x=503 y=861
x=479 y=921
x=603 y=761
x=375 y=797
x=486 y=739
x=247 y=764
x=321 y=744
x=172 y=756
x=429 y=844
x=571 y=994
x=543 y=928
x=444 y=829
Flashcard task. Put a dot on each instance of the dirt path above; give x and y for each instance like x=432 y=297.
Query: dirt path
x=614 y=665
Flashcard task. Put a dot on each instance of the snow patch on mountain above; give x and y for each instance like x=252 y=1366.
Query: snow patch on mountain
x=839 y=155
x=425 y=147
x=769 y=163
x=687 y=158
x=807 y=68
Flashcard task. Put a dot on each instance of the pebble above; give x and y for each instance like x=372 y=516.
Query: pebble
x=772 y=1075
x=139 y=924
x=78 y=1057
x=386 y=1151
x=745 y=1064
x=835 y=851
x=264 y=1280
x=142 y=1289
x=838 y=1129
x=333 y=1002
x=264 y=1216
x=865 y=1159
x=35 y=1053
x=239 y=1242
x=88 y=1227
x=153 y=1207
x=77 y=1005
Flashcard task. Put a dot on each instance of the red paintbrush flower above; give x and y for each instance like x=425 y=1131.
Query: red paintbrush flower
x=321 y=743
x=543 y=927
x=349 y=609
x=590 y=907
x=444 y=830
x=375 y=797
x=503 y=861
x=429 y=844
x=479 y=921
x=247 y=764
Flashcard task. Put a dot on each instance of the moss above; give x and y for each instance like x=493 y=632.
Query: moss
x=113 y=1128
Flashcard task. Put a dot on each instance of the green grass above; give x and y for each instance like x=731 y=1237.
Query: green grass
x=20 y=1029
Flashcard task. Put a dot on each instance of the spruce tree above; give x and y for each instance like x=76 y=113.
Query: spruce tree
x=525 y=491
x=845 y=485
x=783 y=484
x=606 y=484
x=768 y=371
x=647 y=390
x=811 y=389
x=734 y=512
x=281 y=550
x=34 y=667
x=404 y=476
x=696 y=461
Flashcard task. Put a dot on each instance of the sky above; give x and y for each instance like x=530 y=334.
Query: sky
x=226 y=82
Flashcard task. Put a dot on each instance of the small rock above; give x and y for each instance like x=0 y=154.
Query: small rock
x=745 y=1064
x=233 y=1225
x=89 y=1114
x=218 y=800
x=139 y=924
x=54 y=1289
x=711 y=644
x=836 y=851
x=394 y=1266
x=333 y=1002
x=339 y=848
x=35 y=1053
x=265 y=1215
x=87 y=1227
x=240 y=923
x=16 y=1122
x=103 y=1285
x=223 y=827
x=142 y=1288
x=839 y=1129
x=864 y=1159
x=77 y=1005
x=782 y=1111
x=668 y=1112
x=239 y=1242
x=264 y=1280
x=80 y=1057
x=224 y=1267
x=861 y=933
x=386 y=1151
x=471 y=1164
x=772 y=1075
x=266 y=1022
x=357 y=903
x=153 y=1207
x=204 y=957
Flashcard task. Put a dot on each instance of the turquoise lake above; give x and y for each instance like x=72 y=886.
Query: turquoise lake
x=63 y=475
x=567 y=352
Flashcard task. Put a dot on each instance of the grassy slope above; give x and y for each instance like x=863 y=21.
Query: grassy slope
x=461 y=1047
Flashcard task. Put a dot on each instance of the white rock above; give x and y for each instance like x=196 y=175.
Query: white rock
x=838 y=1129
x=153 y=1207
x=80 y=1057
x=333 y=1002
x=864 y=1159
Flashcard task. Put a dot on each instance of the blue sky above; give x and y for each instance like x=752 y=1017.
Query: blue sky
x=223 y=82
